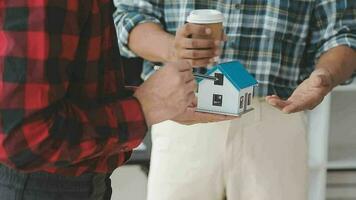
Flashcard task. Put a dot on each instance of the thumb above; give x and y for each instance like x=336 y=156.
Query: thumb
x=191 y=109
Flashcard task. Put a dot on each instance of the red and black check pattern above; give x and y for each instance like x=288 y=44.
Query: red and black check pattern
x=63 y=106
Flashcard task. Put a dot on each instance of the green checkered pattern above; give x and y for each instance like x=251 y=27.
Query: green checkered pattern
x=278 y=41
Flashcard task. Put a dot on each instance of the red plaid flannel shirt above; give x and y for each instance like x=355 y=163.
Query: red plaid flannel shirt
x=63 y=106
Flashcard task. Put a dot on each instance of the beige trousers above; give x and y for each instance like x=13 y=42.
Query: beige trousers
x=261 y=156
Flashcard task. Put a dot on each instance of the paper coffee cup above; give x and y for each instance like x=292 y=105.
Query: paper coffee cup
x=211 y=18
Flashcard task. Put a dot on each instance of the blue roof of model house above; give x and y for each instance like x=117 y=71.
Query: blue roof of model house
x=236 y=73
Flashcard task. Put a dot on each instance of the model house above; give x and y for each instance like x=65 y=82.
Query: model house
x=230 y=93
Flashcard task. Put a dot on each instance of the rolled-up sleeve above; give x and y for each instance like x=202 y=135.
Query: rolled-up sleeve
x=333 y=24
x=130 y=13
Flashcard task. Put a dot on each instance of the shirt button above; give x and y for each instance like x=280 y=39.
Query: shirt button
x=237 y=6
x=230 y=44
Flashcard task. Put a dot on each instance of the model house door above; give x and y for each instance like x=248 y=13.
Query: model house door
x=241 y=108
x=245 y=103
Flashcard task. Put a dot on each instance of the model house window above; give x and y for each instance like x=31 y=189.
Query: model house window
x=241 y=102
x=220 y=79
x=249 y=99
x=200 y=70
x=217 y=100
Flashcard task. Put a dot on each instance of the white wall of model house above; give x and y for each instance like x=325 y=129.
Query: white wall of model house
x=230 y=96
x=245 y=98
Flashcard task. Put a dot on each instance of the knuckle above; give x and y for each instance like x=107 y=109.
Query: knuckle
x=186 y=28
x=194 y=53
x=180 y=54
x=207 y=61
x=206 y=53
x=186 y=64
x=191 y=62
x=194 y=43
x=196 y=63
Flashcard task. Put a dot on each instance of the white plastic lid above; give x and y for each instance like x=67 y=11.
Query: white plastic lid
x=205 y=16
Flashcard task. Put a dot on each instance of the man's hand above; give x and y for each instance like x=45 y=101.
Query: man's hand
x=308 y=94
x=167 y=93
x=190 y=116
x=198 y=52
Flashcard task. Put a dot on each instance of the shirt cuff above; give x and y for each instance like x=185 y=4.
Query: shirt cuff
x=346 y=39
x=124 y=28
x=134 y=118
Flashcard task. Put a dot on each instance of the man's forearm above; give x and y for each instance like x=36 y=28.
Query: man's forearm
x=151 y=42
x=340 y=62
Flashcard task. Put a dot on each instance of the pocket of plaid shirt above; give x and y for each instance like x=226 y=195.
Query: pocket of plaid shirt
x=280 y=19
x=273 y=40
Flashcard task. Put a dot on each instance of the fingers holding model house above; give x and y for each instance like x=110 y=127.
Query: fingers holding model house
x=191 y=116
x=167 y=93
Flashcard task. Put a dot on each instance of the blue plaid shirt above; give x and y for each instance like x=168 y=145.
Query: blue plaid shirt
x=278 y=41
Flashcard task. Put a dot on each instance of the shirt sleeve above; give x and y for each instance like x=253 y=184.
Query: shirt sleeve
x=333 y=24
x=130 y=13
x=44 y=123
